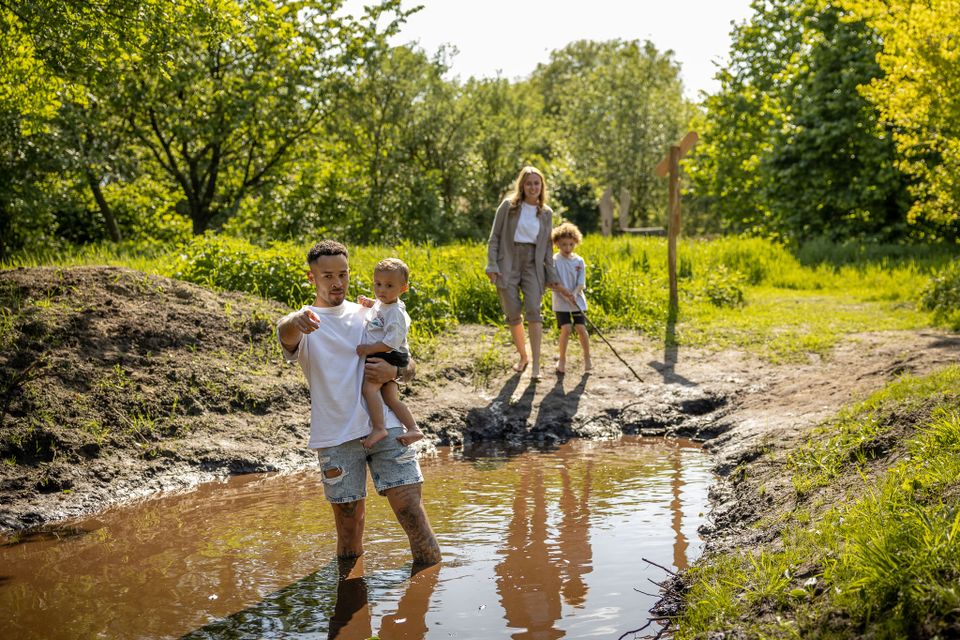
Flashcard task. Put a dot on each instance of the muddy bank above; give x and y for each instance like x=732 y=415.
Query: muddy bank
x=116 y=385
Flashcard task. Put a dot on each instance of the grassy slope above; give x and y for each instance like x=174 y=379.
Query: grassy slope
x=871 y=547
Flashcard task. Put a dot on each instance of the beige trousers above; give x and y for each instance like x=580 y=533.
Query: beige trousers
x=523 y=277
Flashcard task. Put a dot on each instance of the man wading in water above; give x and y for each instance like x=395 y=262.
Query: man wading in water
x=323 y=338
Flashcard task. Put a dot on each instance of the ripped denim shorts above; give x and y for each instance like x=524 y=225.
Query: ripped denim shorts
x=391 y=465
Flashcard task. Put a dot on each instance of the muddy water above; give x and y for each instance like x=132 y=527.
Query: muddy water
x=535 y=545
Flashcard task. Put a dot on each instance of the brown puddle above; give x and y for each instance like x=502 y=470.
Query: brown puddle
x=535 y=544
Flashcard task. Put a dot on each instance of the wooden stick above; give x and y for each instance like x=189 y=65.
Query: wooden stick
x=597 y=331
x=673 y=573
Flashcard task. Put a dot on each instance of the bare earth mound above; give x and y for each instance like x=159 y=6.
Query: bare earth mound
x=115 y=385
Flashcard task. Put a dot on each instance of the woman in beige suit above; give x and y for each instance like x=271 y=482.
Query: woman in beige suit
x=520 y=260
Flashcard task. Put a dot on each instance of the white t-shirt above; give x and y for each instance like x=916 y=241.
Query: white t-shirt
x=389 y=324
x=573 y=274
x=528 y=226
x=334 y=372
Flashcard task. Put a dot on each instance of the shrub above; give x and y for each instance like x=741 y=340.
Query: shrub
x=942 y=296
x=277 y=272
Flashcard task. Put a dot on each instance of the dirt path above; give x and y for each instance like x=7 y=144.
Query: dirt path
x=116 y=344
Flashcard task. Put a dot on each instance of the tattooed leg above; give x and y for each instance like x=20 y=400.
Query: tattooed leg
x=407 y=504
x=349 y=517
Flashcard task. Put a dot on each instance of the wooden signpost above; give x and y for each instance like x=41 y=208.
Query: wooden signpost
x=669 y=168
x=606 y=213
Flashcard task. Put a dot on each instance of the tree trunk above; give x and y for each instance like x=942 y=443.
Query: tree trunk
x=199 y=215
x=105 y=210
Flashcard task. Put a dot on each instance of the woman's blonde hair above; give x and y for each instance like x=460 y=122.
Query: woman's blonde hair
x=517 y=196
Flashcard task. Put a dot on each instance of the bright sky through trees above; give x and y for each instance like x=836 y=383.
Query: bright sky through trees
x=512 y=37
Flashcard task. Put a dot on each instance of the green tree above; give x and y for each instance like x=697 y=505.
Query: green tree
x=727 y=181
x=790 y=148
x=508 y=132
x=380 y=128
x=224 y=94
x=918 y=95
x=49 y=53
x=831 y=168
x=615 y=108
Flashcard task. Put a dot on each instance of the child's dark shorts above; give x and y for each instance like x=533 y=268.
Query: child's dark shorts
x=396 y=358
x=570 y=317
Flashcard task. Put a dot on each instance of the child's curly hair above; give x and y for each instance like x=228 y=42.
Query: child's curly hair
x=566 y=230
x=395 y=265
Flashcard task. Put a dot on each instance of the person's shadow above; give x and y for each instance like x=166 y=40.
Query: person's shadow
x=667 y=368
x=333 y=600
x=559 y=407
x=506 y=415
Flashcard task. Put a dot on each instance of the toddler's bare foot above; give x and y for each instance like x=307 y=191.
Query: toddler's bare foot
x=520 y=366
x=378 y=434
x=535 y=372
x=561 y=366
x=411 y=436
x=587 y=365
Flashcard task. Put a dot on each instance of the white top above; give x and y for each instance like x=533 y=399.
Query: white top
x=573 y=274
x=334 y=372
x=528 y=227
x=389 y=324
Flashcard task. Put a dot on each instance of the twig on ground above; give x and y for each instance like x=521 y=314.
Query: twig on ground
x=673 y=573
x=650 y=621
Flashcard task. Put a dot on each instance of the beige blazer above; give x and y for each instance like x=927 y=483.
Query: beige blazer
x=500 y=244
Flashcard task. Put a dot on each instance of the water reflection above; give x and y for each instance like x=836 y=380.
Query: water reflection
x=575 y=537
x=535 y=544
x=676 y=509
x=536 y=571
x=310 y=607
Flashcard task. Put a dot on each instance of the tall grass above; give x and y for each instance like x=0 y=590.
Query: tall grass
x=746 y=292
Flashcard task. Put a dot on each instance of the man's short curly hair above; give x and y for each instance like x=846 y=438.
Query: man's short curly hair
x=566 y=230
x=393 y=265
x=326 y=248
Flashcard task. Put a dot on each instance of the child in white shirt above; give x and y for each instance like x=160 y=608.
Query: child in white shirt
x=385 y=337
x=570 y=309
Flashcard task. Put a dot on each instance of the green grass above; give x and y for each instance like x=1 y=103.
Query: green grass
x=882 y=561
x=734 y=292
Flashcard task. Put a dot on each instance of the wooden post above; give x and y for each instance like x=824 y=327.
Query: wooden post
x=673 y=221
x=624 y=209
x=670 y=167
x=606 y=213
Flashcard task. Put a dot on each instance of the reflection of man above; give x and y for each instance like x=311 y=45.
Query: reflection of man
x=351 y=615
x=323 y=338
